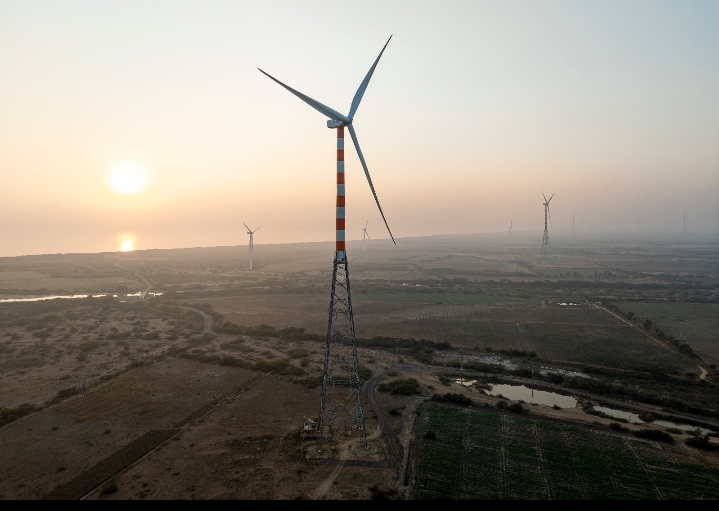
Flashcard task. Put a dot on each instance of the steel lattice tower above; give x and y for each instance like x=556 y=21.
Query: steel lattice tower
x=546 y=249
x=341 y=383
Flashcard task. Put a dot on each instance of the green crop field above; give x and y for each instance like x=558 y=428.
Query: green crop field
x=483 y=454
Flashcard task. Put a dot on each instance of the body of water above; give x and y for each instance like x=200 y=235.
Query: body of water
x=631 y=418
x=69 y=297
x=537 y=397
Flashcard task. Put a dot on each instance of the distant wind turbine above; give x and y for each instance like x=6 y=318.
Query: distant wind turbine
x=684 y=231
x=545 y=240
x=573 y=224
x=365 y=236
x=252 y=240
x=510 y=231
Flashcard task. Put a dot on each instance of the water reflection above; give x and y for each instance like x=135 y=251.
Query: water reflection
x=631 y=418
x=71 y=297
x=537 y=397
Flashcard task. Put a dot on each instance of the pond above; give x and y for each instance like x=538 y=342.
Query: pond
x=631 y=418
x=537 y=397
x=466 y=383
x=682 y=427
x=68 y=297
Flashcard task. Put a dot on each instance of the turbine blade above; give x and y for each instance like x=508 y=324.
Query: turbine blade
x=260 y=227
x=545 y=197
x=243 y=223
x=550 y=199
x=363 y=86
x=323 y=109
x=369 y=179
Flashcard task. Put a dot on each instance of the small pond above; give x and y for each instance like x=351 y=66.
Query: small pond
x=67 y=297
x=537 y=397
x=631 y=418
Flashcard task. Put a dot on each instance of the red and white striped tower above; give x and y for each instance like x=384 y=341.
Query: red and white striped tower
x=340 y=249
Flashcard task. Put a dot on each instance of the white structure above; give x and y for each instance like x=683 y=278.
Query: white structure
x=364 y=237
x=252 y=240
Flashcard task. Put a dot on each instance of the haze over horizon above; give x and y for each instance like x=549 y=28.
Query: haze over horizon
x=149 y=122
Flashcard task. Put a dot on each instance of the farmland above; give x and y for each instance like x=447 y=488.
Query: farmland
x=697 y=324
x=484 y=454
x=147 y=365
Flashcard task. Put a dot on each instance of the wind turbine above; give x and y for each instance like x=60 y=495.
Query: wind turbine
x=684 y=231
x=545 y=240
x=341 y=384
x=573 y=224
x=365 y=236
x=252 y=240
x=510 y=231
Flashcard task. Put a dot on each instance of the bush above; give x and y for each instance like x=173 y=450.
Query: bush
x=8 y=415
x=458 y=399
x=501 y=404
x=298 y=353
x=430 y=435
x=516 y=408
x=655 y=434
x=615 y=426
x=109 y=488
x=556 y=378
x=698 y=441
x=402 y=387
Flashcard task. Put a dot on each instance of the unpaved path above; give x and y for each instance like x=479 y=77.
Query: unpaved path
x=208 y=319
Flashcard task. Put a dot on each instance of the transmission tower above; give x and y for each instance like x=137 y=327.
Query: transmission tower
x=546 y=249
x=81 y=389
x=341 y=384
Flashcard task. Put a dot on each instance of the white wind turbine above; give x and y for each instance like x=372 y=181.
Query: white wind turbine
x=365 y=236
x=252 y=239
x=510 y=231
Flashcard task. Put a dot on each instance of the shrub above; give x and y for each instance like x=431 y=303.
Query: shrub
x=109 y=488
x=8 y=415
x=655 y=434
x=698 y=441
x=501 y=404
x=380 y=494
x=556 y=378
x=402 y=387
x=430 y=435
x=615 y=426
x=458 y=399
x=298 y=353
x=516 y=408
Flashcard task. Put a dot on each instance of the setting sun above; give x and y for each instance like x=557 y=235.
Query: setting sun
x=127 y=245
x=127 y=179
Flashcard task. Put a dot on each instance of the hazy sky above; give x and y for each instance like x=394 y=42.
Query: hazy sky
x=475 y=108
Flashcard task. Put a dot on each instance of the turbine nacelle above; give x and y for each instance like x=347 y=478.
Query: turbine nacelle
x=332 y=124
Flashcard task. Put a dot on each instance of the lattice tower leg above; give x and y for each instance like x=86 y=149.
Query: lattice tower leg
x=341 y=399
x=546 y=250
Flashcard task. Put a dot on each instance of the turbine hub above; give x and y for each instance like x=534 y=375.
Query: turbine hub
x=332 y=124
